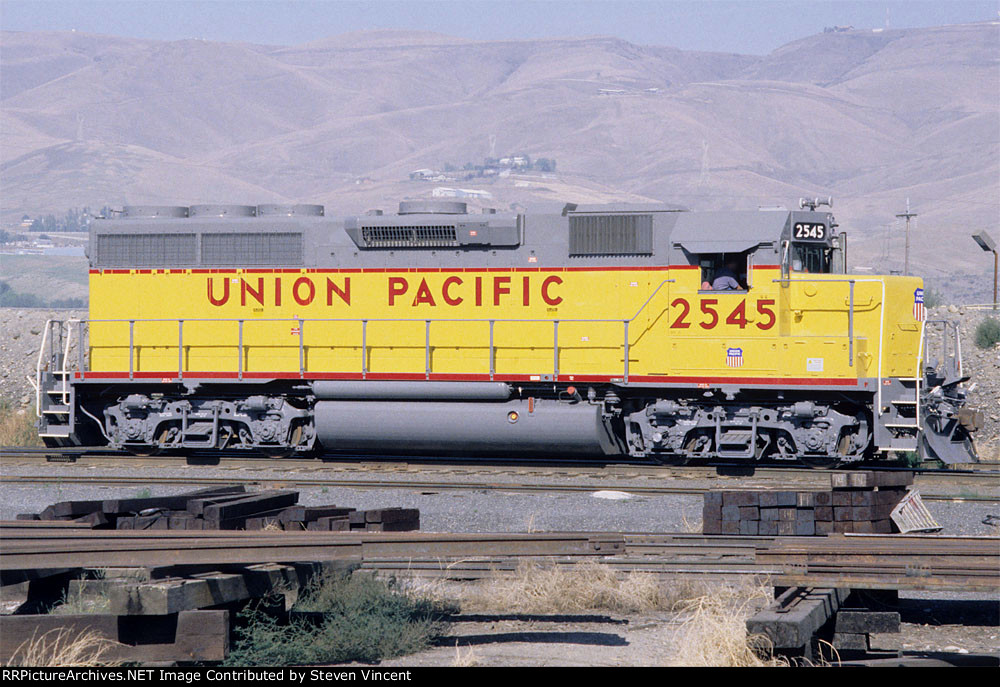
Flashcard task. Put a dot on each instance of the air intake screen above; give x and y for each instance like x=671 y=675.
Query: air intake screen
x=611 y=235
x=404 y=237
x=146 y=250
x=237 y=250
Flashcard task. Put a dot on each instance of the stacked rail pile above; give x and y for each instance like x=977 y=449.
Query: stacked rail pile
x=226 y=508
x=857 y=561
x=859 y=503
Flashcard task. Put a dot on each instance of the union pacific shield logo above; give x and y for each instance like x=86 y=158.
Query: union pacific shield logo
x=734 y=357
x=918 y=305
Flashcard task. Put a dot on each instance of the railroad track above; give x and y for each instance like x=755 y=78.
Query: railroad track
x=972 y=474
x=856 y=561
x=458 y=482
x=14 y=455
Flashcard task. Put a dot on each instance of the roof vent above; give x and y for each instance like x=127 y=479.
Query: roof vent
x=152 y=211
x=432 y=207
x=222 y=211
x=290 y=210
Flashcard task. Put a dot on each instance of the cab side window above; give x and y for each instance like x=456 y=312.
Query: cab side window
x=723 y=271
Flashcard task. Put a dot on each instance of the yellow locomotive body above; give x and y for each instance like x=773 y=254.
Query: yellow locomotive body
x=590 y=331
x=565 y=325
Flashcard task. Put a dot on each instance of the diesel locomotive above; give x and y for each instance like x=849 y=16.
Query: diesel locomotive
x=590 y=331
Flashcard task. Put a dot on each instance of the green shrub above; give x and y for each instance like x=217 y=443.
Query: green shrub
x=360 y=618
x=12 y=299
x=988 y=333
x=932 y=298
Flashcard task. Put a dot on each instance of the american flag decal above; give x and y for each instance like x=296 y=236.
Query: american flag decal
x=734 y=357
x=918 y=305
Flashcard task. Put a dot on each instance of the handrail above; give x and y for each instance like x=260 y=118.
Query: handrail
x=919 y=375
x=65 y=367
x=38 y=368
x=300 y=322
x=656 y=291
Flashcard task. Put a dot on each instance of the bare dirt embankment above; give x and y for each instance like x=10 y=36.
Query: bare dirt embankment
x=22 y=337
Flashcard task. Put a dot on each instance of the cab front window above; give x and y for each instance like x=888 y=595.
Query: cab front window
x=811 y=257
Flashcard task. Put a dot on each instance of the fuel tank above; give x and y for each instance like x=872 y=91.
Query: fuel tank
x=520 y=426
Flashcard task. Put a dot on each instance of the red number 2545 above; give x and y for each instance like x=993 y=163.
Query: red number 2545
x=710 y=320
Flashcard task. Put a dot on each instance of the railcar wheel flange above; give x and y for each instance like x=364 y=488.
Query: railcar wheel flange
x=821 y=462
x=671 y=459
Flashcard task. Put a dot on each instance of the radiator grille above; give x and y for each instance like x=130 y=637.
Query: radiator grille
x=439 y=236
x=146 y=250
x=237 y=250
x=610 y=235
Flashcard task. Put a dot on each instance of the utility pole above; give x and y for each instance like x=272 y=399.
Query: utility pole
x=906 y=254
x=986 y=242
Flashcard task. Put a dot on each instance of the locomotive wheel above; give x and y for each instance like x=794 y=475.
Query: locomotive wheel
x=279 y=452
x=820 y=462
x=670 y=459
x=829 y=462
x=149 y=450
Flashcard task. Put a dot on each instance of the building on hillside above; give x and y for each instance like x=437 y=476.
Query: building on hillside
x=445 y=192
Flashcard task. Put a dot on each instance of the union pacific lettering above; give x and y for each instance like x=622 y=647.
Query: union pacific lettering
x=399 y=291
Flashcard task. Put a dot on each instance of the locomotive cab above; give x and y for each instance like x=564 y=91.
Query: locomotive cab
x=811 y=244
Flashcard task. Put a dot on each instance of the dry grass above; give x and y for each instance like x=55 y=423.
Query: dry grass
x=713 y=632
x=83 y=601
x=587 y=586
x=63 y=647
x=17 y=426
x=691 y=526
x=465 y=659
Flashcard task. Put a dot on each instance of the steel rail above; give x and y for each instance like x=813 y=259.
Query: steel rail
x=598 y=466
x=294 y=480
x=859 y=561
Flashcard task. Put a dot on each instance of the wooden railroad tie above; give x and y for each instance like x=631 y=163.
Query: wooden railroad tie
x=226 y=508
x=865 y=502
x=814 y=623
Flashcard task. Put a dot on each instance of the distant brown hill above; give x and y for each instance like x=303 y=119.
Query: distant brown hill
x=870 y=118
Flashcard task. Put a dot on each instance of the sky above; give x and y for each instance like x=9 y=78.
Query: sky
x=737 y=26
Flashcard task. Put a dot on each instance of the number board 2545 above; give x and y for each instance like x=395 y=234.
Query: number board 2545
x=809 y=231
